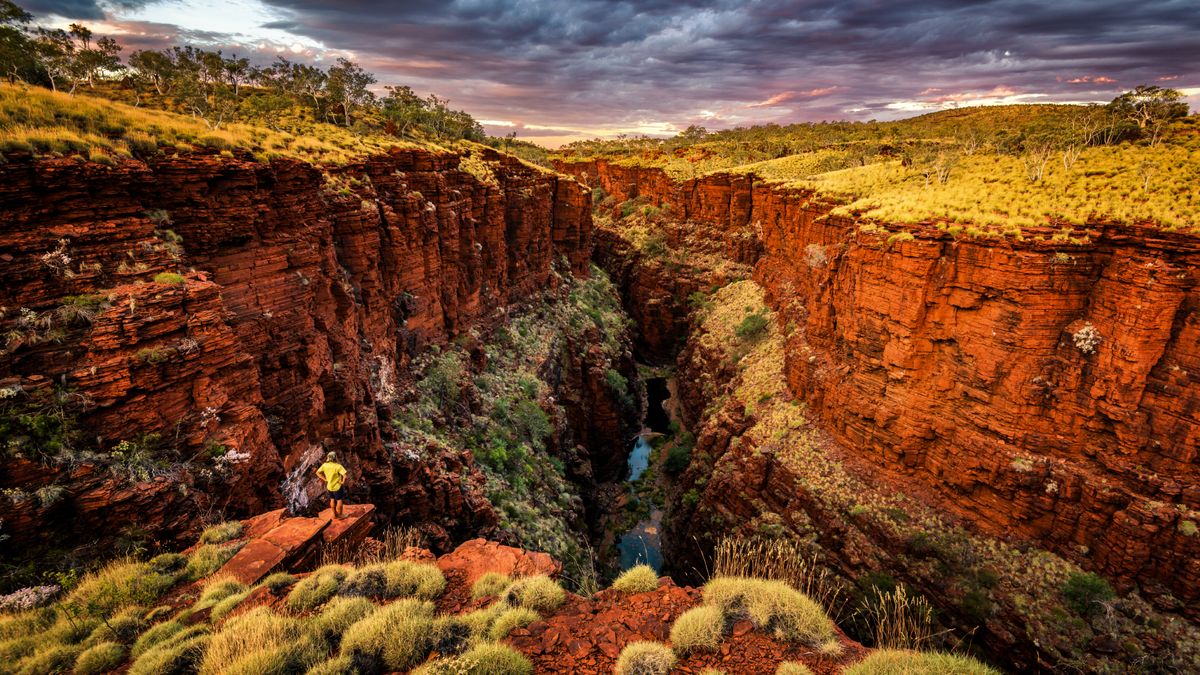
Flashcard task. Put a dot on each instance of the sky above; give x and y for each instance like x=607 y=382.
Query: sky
x=560 y=70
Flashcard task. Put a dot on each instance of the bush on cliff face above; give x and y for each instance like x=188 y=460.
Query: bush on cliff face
x=506 y=415
x=1086 y=593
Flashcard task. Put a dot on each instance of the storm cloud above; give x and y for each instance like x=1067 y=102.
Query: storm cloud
x=552 y=69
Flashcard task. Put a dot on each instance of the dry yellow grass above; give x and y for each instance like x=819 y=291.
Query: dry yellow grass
x=44 y=122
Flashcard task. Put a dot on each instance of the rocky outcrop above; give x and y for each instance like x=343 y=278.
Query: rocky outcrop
x=304 y=296
x=1042 y=388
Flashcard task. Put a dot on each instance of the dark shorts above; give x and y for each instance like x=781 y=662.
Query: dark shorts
x=338 y=494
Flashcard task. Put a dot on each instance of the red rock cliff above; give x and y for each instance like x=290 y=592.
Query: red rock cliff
x=303 y=300
x=1041 y=389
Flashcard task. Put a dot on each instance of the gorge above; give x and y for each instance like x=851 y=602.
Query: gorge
x=976 y=420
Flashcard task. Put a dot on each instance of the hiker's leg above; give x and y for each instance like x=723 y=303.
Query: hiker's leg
x=341 y=509
x=333 y=505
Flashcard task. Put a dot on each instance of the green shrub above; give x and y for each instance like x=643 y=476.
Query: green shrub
x=171 y=658
x=489 y=658
x=771 y=605
x=410 y=579
x=208 y=559
x=492 y=583
x=793 y=668
x=639 y=579
x=396 y=637
x=698 y=629
x=169 y=278
x=752 y=326
x=278 y=582
x=316 y=588
x=539 y=593
x=680 y=453
x=899 y=662
x=1085 y=592
x=221 y=533
x=511 y=619
x=645 y=658
x=100 y=658
x=336 y=617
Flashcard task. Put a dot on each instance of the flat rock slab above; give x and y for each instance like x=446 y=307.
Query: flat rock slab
x=255 y=560
x=352 y=527
x=253 y=528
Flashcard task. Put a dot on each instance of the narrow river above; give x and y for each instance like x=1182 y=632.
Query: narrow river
x=643 y=543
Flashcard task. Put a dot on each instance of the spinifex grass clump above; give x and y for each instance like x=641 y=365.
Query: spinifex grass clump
x=396 y=637
x=645 y=658
x=772 y=606
x=539 y=593
x=899 y=662
x=638 y=579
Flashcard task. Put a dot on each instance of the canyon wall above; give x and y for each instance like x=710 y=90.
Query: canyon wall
x=303 y=299
x=1045 y=389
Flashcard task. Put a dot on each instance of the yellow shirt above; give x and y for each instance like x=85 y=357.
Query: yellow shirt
x=334 y=475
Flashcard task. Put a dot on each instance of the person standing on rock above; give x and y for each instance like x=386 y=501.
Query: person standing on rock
x=334 y=475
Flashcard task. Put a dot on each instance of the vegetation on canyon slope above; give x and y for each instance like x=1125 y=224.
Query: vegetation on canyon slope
x=505 y=415
x=996 y=169
x=1067 y=613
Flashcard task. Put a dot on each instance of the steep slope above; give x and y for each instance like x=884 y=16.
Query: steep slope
x=191 y=332
x=1040 y=389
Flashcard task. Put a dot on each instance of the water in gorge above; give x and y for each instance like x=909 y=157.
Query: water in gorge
x=643 y=543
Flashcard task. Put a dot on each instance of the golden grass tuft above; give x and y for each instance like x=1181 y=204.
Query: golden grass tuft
x=336 y=617
x=638 y=579
x=645 y=658
x=492 y=583
x=208 y=559
x=118 y=585
x=312 y=591
x=698 y=629
x=793 y=668
x=260 y=641
x=772 y=606
x=417 y=580
x=100 y=658
x=779 y=559
x=230 y=529
x=488 y=658
x=539 y=593
x=901 y=662
x=169 y=658
x=510 y=619
x=396 y=637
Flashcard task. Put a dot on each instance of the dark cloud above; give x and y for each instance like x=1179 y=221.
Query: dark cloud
x=606 y=64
